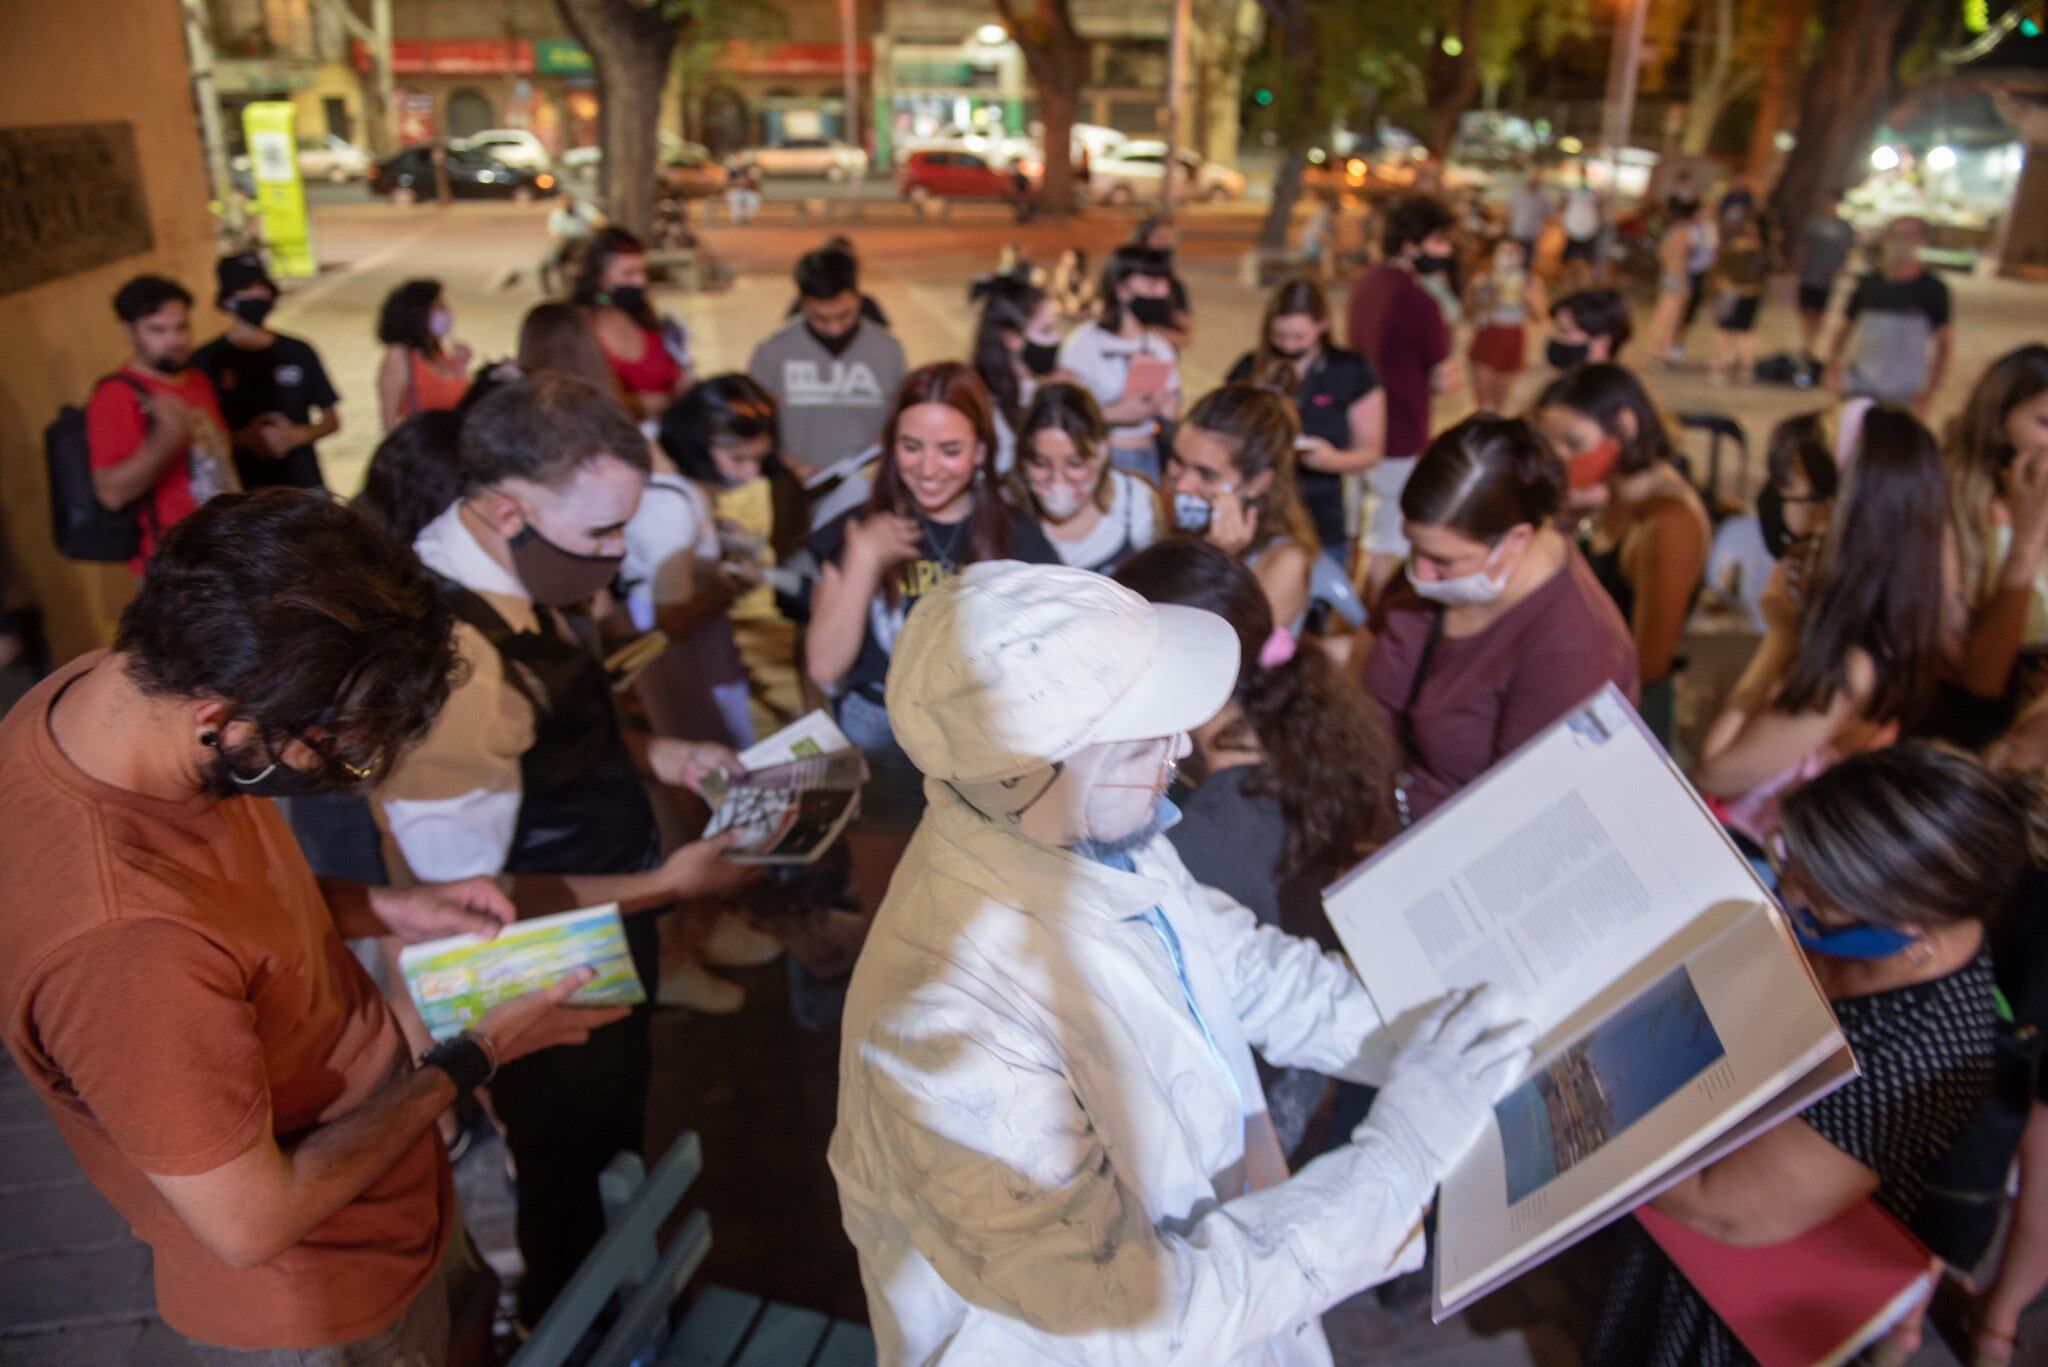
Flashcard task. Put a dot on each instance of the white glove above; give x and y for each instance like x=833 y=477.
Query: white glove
x=1443 y=1084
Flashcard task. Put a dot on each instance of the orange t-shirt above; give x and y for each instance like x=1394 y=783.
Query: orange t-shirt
x=174 y=988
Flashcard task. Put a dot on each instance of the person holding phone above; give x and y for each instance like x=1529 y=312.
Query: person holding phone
x=1124 y=358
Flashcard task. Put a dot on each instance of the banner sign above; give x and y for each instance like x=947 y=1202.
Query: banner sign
x=270 y=128
x=70 y=199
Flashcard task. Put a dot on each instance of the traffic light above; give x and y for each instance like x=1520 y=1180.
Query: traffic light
x=2031 y=27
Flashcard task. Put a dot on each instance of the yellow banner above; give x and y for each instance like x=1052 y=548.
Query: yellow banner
x=270 y=127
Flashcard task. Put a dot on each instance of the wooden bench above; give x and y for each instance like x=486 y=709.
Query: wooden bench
x=722 y=1328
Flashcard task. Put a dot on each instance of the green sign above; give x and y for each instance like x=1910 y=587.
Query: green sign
x=560 y=57
x=271 y=132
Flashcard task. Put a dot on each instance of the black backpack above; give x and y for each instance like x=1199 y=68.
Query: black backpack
x=82 y=526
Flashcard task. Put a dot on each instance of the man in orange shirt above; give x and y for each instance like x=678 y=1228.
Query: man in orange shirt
x=173 y=980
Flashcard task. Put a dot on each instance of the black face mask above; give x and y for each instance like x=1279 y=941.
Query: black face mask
x=835 y=345
x=557 y=577
x=1565 y=355
x=271 y=777
x=251 y=311
x=1770 y=516
x=1291 y=354
x=1430 y=263
x=1041 y=358
x=631 y=298
x=1153 y=313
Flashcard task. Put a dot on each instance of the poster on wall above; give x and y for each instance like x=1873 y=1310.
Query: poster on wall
x=70 y=199
x=270 y=127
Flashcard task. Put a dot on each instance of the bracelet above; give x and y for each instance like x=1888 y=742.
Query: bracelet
x=465 y=1058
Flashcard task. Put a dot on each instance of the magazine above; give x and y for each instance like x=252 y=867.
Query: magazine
x=800 y=788
x=1677 y=1015
x=455 y=981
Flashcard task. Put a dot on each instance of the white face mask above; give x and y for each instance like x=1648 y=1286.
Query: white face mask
x=1060 y=500
x=1191 y=512
x=440 y=322
x=1477 y=587
x=1105 y=795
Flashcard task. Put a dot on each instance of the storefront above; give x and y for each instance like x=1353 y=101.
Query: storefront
x=455 y=88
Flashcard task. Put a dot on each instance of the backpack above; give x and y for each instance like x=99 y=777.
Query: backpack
x=82 y=526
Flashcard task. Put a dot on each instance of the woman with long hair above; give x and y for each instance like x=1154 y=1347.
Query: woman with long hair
x=1853 y=623
x=558 y=337
x=1125 y=359
x=411 y=479
x=1337 y=397
x=936 y=507
x=1095 y=515
x=1889 y=866
x=1498 y=627
x=1231 y=479
x=649 y=357
x=1998 y=515
x=1291 y=779
x=1648 y=539
x=1016 y=349
x=422 y=370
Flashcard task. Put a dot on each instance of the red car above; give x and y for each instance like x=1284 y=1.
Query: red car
x=938 y=174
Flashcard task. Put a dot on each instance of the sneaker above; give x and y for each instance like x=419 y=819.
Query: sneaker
x=733 y=943
x=691 y=984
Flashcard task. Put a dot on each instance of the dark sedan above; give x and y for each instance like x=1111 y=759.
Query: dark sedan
x=471 y=175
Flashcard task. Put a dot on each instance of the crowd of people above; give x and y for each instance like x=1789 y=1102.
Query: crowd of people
x=1263 y=629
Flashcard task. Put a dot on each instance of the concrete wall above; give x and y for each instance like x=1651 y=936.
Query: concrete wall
x=65 y=62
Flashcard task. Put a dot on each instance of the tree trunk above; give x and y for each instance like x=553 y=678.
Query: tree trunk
x=630 y=46
x=1453 y=81
x=1287 y=185
x=1056 y=55
x=1784 y=55
x=1848 y=92
x=1298 y=112
x=1717 y=83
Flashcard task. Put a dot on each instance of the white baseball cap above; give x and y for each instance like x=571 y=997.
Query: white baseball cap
x=1008 y=667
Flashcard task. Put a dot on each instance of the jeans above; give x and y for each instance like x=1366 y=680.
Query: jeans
x=893 y=799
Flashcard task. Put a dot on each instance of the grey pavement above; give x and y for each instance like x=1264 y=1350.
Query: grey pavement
x=74 y=1285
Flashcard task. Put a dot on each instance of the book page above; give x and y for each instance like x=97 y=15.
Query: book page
x=1571 y=874
x=1626 y=1106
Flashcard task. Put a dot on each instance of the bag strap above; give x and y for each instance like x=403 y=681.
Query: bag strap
x=1404 y=724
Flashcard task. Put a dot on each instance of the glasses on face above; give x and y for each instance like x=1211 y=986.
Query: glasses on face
x=337 y=767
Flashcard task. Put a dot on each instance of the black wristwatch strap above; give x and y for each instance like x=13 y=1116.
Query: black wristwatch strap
x=466 y=1058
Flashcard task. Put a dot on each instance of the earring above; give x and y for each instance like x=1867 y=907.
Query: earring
x=210 y=739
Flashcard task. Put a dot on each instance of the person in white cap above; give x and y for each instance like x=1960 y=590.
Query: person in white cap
x=1051 y=1145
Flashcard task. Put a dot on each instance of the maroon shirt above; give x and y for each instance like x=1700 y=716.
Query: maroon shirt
x=1484 y=695
x=1398 y=327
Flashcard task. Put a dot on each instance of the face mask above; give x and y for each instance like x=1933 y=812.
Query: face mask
x=1565 y=355
x=1592 y=465
x=251 y=311
x=1476 y=587
x=631 y=298
x=835 y=345
x=1290 y=353
x=1432 y=263
x=1153 y=313
x=1041 y=358
x=440 y=322
x=1061 y=500
x=1191 y=512
x=557 y=577
x=1860 y=941
x=223 y=779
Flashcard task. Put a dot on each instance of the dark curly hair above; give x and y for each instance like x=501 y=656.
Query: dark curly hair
x=407 y=314
x=412 y=476
x=1329 y=757
x=302 y=615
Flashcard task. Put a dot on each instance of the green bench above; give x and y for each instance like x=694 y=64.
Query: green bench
x=721 y=1328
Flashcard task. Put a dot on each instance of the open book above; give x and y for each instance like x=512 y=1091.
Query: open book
x=1677 y=1015
x=454 y=981
x=800 y=788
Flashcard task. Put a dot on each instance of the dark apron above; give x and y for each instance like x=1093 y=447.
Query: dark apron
x=568 y=1111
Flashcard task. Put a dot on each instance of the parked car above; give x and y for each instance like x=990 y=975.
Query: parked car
x=325 y=157
x=808 y=157
x=692 y=172
x=471 y=175
x=512 y=146
x=942 y=174
x=1132 y=172
x=587 y=161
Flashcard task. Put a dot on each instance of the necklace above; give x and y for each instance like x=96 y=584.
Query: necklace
x=948 y=561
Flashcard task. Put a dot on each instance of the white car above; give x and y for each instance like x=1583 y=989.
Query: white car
x=808 y=157
x=325 y=157
x=586 y=161
x=514 y=147
x=1133 y=173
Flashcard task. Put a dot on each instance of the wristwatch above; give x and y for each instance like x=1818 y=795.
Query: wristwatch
x=469 y=1059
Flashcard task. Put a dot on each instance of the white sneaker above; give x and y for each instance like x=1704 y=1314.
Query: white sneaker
x=692 y=985
x=733 y=943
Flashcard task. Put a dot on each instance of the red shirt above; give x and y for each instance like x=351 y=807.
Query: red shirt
x=1484 y=695
x=1397 y=325
x=655 y=372
x=115 y=426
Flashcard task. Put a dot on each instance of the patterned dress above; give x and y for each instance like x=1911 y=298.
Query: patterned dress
x=1925 y=1052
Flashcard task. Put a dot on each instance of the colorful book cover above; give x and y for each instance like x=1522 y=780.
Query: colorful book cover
x=455 y=981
